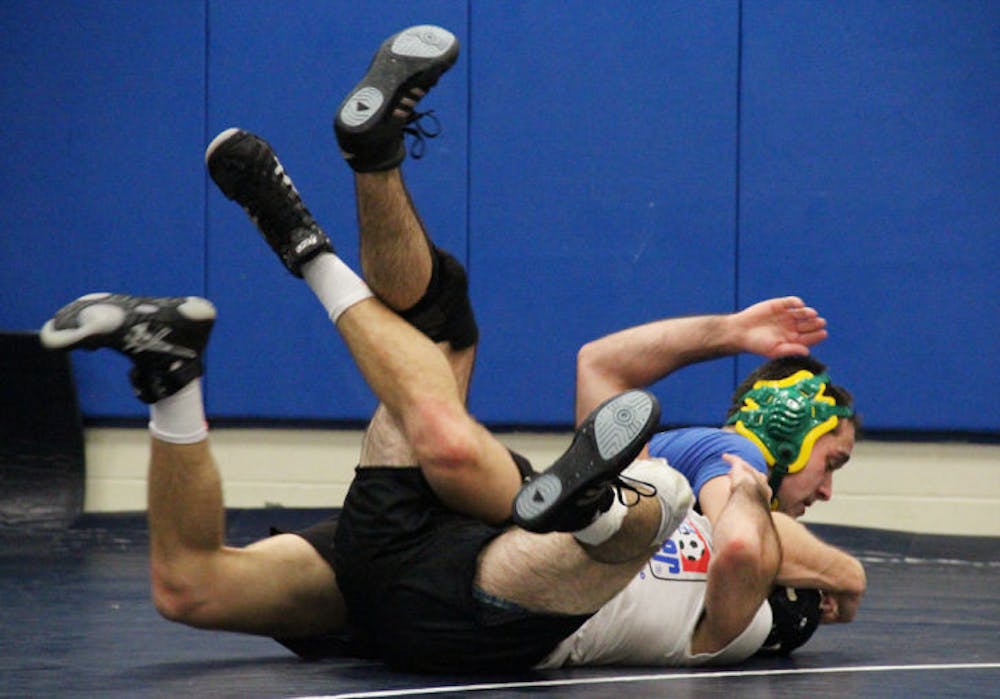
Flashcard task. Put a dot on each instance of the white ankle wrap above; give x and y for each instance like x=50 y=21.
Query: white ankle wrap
x=605 y=526
x=180 y=418
x=335 y=284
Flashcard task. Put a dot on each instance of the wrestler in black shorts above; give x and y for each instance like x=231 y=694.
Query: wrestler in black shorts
x=406 y=565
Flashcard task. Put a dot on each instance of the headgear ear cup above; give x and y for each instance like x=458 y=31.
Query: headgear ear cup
x=795 y=616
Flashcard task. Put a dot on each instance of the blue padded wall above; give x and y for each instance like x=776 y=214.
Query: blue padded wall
x=602 y=164
x=871 y=185
x=603 y=152
x=281 y=70
x=103 y=190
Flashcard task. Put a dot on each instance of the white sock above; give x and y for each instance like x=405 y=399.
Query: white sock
x=180 y=418
x=672 y=491
x=335 y=284
x=605 y=526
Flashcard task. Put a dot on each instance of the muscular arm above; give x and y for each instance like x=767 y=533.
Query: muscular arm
x=641 y=355
x=746 y=556
x=810 y=562
x=807 y=561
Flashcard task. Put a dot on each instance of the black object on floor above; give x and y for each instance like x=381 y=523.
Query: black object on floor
x=41 y=436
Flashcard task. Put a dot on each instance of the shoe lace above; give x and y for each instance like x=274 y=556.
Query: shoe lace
x=284 y=211
x=635 y=486
x=420 y=132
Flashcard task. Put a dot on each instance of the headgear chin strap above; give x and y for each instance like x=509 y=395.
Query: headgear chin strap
x=784 y=418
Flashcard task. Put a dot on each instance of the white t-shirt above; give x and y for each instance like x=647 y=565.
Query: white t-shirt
x=651 y=621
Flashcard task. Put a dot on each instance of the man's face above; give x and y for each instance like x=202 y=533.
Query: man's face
x=815 y=481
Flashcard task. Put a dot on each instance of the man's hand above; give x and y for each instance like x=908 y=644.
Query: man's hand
x=838 y=607
x=743 y=475
x=779 y=327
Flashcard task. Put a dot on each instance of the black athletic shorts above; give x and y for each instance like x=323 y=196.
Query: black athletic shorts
x=406 y=565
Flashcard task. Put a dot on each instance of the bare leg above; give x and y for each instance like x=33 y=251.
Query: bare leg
x=555 y=574
x=396 y=253
x=467 y=467
x=185 y=500
x=397 y=261
x=395 y=250
x=277 y=587
x=385 y=443
x=280 y=586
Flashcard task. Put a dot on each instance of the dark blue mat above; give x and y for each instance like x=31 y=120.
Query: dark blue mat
x=77 y=621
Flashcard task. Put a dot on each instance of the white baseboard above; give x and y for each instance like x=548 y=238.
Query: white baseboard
x=929 y=488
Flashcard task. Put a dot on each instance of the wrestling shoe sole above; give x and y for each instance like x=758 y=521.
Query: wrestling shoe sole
x=608 y=441
x=89 y=324
x=414 y=58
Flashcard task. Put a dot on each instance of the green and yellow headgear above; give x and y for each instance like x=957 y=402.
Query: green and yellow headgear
x=785 y=417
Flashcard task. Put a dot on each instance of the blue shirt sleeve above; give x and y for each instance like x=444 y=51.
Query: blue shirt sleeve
x=697 y=452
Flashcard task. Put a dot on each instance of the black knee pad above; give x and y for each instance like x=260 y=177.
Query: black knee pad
x=444 y=314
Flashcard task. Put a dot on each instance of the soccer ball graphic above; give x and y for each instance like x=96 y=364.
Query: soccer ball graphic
x=690 y=546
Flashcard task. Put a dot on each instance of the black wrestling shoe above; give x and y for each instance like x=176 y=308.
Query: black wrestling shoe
x=370 y=123
x=164 y=337
x=583 y=482
x=247 y=171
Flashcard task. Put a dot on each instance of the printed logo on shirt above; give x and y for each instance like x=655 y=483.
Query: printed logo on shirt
x=684 y=556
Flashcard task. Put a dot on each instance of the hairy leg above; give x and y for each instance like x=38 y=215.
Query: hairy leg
x=385 y=443
x=555 y=574
x=397 y=265
x=395 y=250
x=468 y=468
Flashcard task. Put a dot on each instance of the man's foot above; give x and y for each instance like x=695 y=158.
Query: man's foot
x=582 y=482
x=247 y=171
x=370 y=122
x=164 y=337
